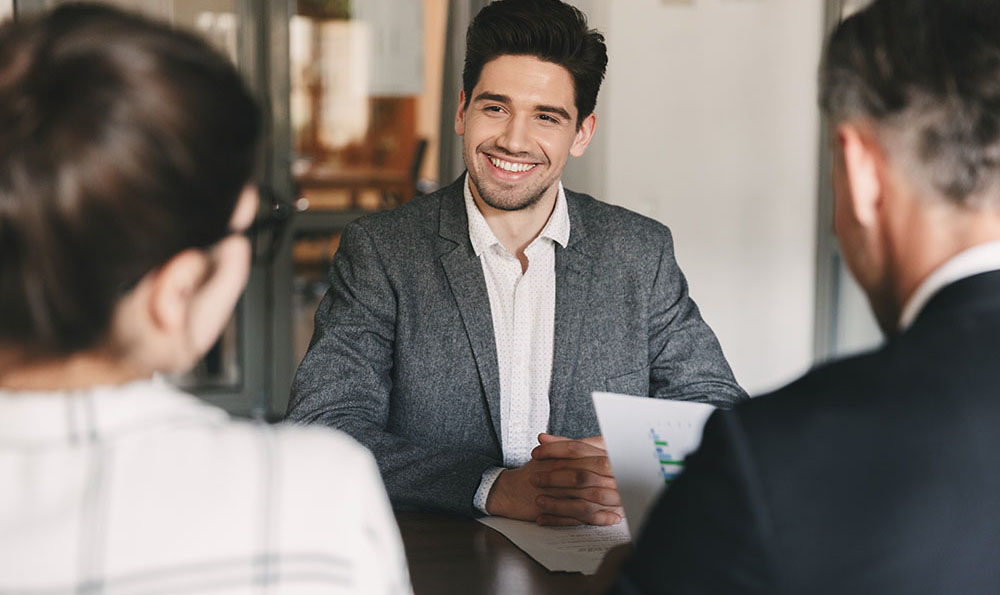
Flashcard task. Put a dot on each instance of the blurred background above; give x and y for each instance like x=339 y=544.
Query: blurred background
x=707 y=122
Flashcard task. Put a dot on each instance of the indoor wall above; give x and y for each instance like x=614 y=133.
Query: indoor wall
x=708 y=123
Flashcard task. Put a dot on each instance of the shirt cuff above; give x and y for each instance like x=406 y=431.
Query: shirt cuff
x=485 y=485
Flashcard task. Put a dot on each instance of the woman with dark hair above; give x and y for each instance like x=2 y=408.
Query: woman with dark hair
x=126 y=150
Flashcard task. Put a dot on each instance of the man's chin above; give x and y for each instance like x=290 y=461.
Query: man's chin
x=511 y=197
x=511 y=203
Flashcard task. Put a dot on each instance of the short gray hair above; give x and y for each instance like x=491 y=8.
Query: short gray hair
x=926 y=74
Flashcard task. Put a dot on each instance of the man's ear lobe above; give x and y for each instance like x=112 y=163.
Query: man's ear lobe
x=460 y=114
x=863 y=169
x=173 y=287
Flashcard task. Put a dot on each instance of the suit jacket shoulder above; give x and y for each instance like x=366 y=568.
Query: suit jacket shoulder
x=611 y=226
x=642 y=302
x=874 y=474
x=399 y=228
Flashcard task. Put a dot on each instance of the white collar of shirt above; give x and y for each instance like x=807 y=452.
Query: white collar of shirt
x=978 y=259
x=482 y=237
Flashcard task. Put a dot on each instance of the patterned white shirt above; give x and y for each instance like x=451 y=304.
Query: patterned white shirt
x=523 y=308
x=143 y=489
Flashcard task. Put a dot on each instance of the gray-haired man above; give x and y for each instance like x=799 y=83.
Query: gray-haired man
x=879 y=473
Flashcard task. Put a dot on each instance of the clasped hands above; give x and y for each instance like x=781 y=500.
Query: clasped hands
x=566 y=482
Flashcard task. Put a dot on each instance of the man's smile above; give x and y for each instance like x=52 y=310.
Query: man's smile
x=506 y=169
x=510 y=165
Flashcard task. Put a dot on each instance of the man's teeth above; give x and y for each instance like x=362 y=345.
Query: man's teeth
x=514 y=167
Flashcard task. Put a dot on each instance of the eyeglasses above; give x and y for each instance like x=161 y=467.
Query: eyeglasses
x=268 y=229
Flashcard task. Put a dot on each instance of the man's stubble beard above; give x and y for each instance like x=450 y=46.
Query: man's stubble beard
x=496 y=199
x=497 y=202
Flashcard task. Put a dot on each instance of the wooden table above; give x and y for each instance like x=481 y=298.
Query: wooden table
x=461 y=556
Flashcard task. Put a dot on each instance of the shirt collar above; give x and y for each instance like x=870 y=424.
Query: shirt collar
x=482 y=237
x=978 y=259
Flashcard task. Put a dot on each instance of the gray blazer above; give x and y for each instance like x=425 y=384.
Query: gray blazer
x=404 y=359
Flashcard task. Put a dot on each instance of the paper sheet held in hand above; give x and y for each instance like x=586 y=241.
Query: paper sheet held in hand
x=648 y=440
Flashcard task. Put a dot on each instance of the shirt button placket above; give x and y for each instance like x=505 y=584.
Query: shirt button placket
x=521 y=356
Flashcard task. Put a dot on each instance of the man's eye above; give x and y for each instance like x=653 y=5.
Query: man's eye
x=548 y=118
x=493 y=108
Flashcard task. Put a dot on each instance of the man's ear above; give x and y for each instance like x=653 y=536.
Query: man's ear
x=864 y=170
x=584 y=135
x=173 y=287
x=460 y=114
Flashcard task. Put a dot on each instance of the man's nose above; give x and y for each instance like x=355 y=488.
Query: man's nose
x=514 y=137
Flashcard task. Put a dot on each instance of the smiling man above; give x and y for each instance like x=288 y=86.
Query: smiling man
x=464 y=332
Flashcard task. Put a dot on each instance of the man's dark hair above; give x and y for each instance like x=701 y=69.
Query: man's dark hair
x=122 y=143
x=549 y=30
x=926 y=73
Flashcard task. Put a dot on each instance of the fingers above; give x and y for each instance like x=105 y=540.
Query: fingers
x=555 y=510
x=558 y=492
x=566 y=449
x=597 y=441
x=572 y=479
x=602 y=519
x=588 y=479
x=605 y=496
x=573 y=473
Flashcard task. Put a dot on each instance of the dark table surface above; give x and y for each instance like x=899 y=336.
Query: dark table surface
x=458 y=555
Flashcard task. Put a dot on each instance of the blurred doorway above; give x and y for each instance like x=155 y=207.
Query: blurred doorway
x=351 y=91
x=844 y=323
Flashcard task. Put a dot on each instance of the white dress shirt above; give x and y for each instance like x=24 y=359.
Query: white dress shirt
x=523 y=307
x=143 y=489
x=978 y=259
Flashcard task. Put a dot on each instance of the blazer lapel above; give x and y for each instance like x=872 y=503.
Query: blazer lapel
x=465 y=276
x=574 y=276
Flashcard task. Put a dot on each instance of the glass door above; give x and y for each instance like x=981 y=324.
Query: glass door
x=352 y=93
x=238 y=373
x=365 y=85
x=844 y=323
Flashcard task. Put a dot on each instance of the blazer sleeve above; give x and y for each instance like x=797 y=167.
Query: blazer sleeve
x=710 y=531
x=686 y=360
x=345 y=381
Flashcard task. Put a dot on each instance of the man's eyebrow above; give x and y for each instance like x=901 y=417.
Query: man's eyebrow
x=487 y=96
x=552 y=109
x=505 y=99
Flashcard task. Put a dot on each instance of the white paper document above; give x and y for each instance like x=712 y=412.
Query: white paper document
x=566 y=549
x=647 y=440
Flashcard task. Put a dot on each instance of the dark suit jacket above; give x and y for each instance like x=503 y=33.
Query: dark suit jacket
x=404 y=357
x=877 y=474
